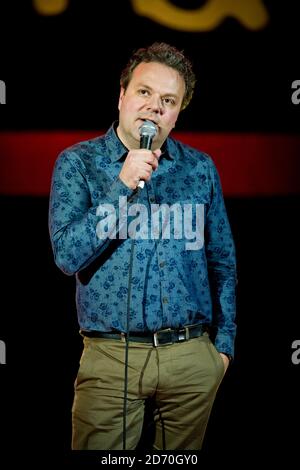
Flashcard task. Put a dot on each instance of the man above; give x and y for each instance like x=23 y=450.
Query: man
x=156 y=309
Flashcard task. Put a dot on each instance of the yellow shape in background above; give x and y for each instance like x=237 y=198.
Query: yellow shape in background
x=50 y=7
x=251 y=13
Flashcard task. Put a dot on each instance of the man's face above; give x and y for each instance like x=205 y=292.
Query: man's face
x=155 y=92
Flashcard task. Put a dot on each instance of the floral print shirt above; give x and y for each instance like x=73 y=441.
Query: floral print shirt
x=172 y=239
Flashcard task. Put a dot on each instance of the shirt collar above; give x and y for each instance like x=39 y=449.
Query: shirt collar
x=118 y=150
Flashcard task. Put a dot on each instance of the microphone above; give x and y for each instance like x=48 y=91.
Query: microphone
x=147 y=131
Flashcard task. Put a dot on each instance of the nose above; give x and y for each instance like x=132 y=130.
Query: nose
x=154 y=104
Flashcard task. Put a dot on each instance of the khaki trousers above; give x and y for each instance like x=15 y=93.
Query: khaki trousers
x=182 y=379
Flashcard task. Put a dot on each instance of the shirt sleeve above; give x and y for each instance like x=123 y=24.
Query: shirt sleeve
x=72 y=217
x=221 y=260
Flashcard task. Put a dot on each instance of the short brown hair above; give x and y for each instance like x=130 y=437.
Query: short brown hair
x=167 y=55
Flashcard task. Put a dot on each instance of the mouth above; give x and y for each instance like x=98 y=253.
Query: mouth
x=152 y=120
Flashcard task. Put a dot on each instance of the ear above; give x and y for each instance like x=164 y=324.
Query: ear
x=122 y=93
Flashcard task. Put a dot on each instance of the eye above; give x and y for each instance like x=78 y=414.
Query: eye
x=169 y=101
x=143 y=92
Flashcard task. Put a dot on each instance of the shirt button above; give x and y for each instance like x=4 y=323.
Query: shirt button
x=152 y=199
x=162 y=264
x=165 y=300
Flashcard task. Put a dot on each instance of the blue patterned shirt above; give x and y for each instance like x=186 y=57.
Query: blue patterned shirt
x=175 y=280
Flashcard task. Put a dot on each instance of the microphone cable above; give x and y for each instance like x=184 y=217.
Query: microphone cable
x=147 y=131
x=127 y=335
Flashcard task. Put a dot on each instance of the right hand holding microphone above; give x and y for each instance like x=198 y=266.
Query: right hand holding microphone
x=138 y=166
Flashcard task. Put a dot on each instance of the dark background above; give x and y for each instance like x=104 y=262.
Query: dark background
x=62 y=72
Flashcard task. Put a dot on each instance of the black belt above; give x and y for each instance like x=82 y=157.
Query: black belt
x=159 y=338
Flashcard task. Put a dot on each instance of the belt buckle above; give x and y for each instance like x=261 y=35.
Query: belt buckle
x=155 y=336
x=183 y=334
